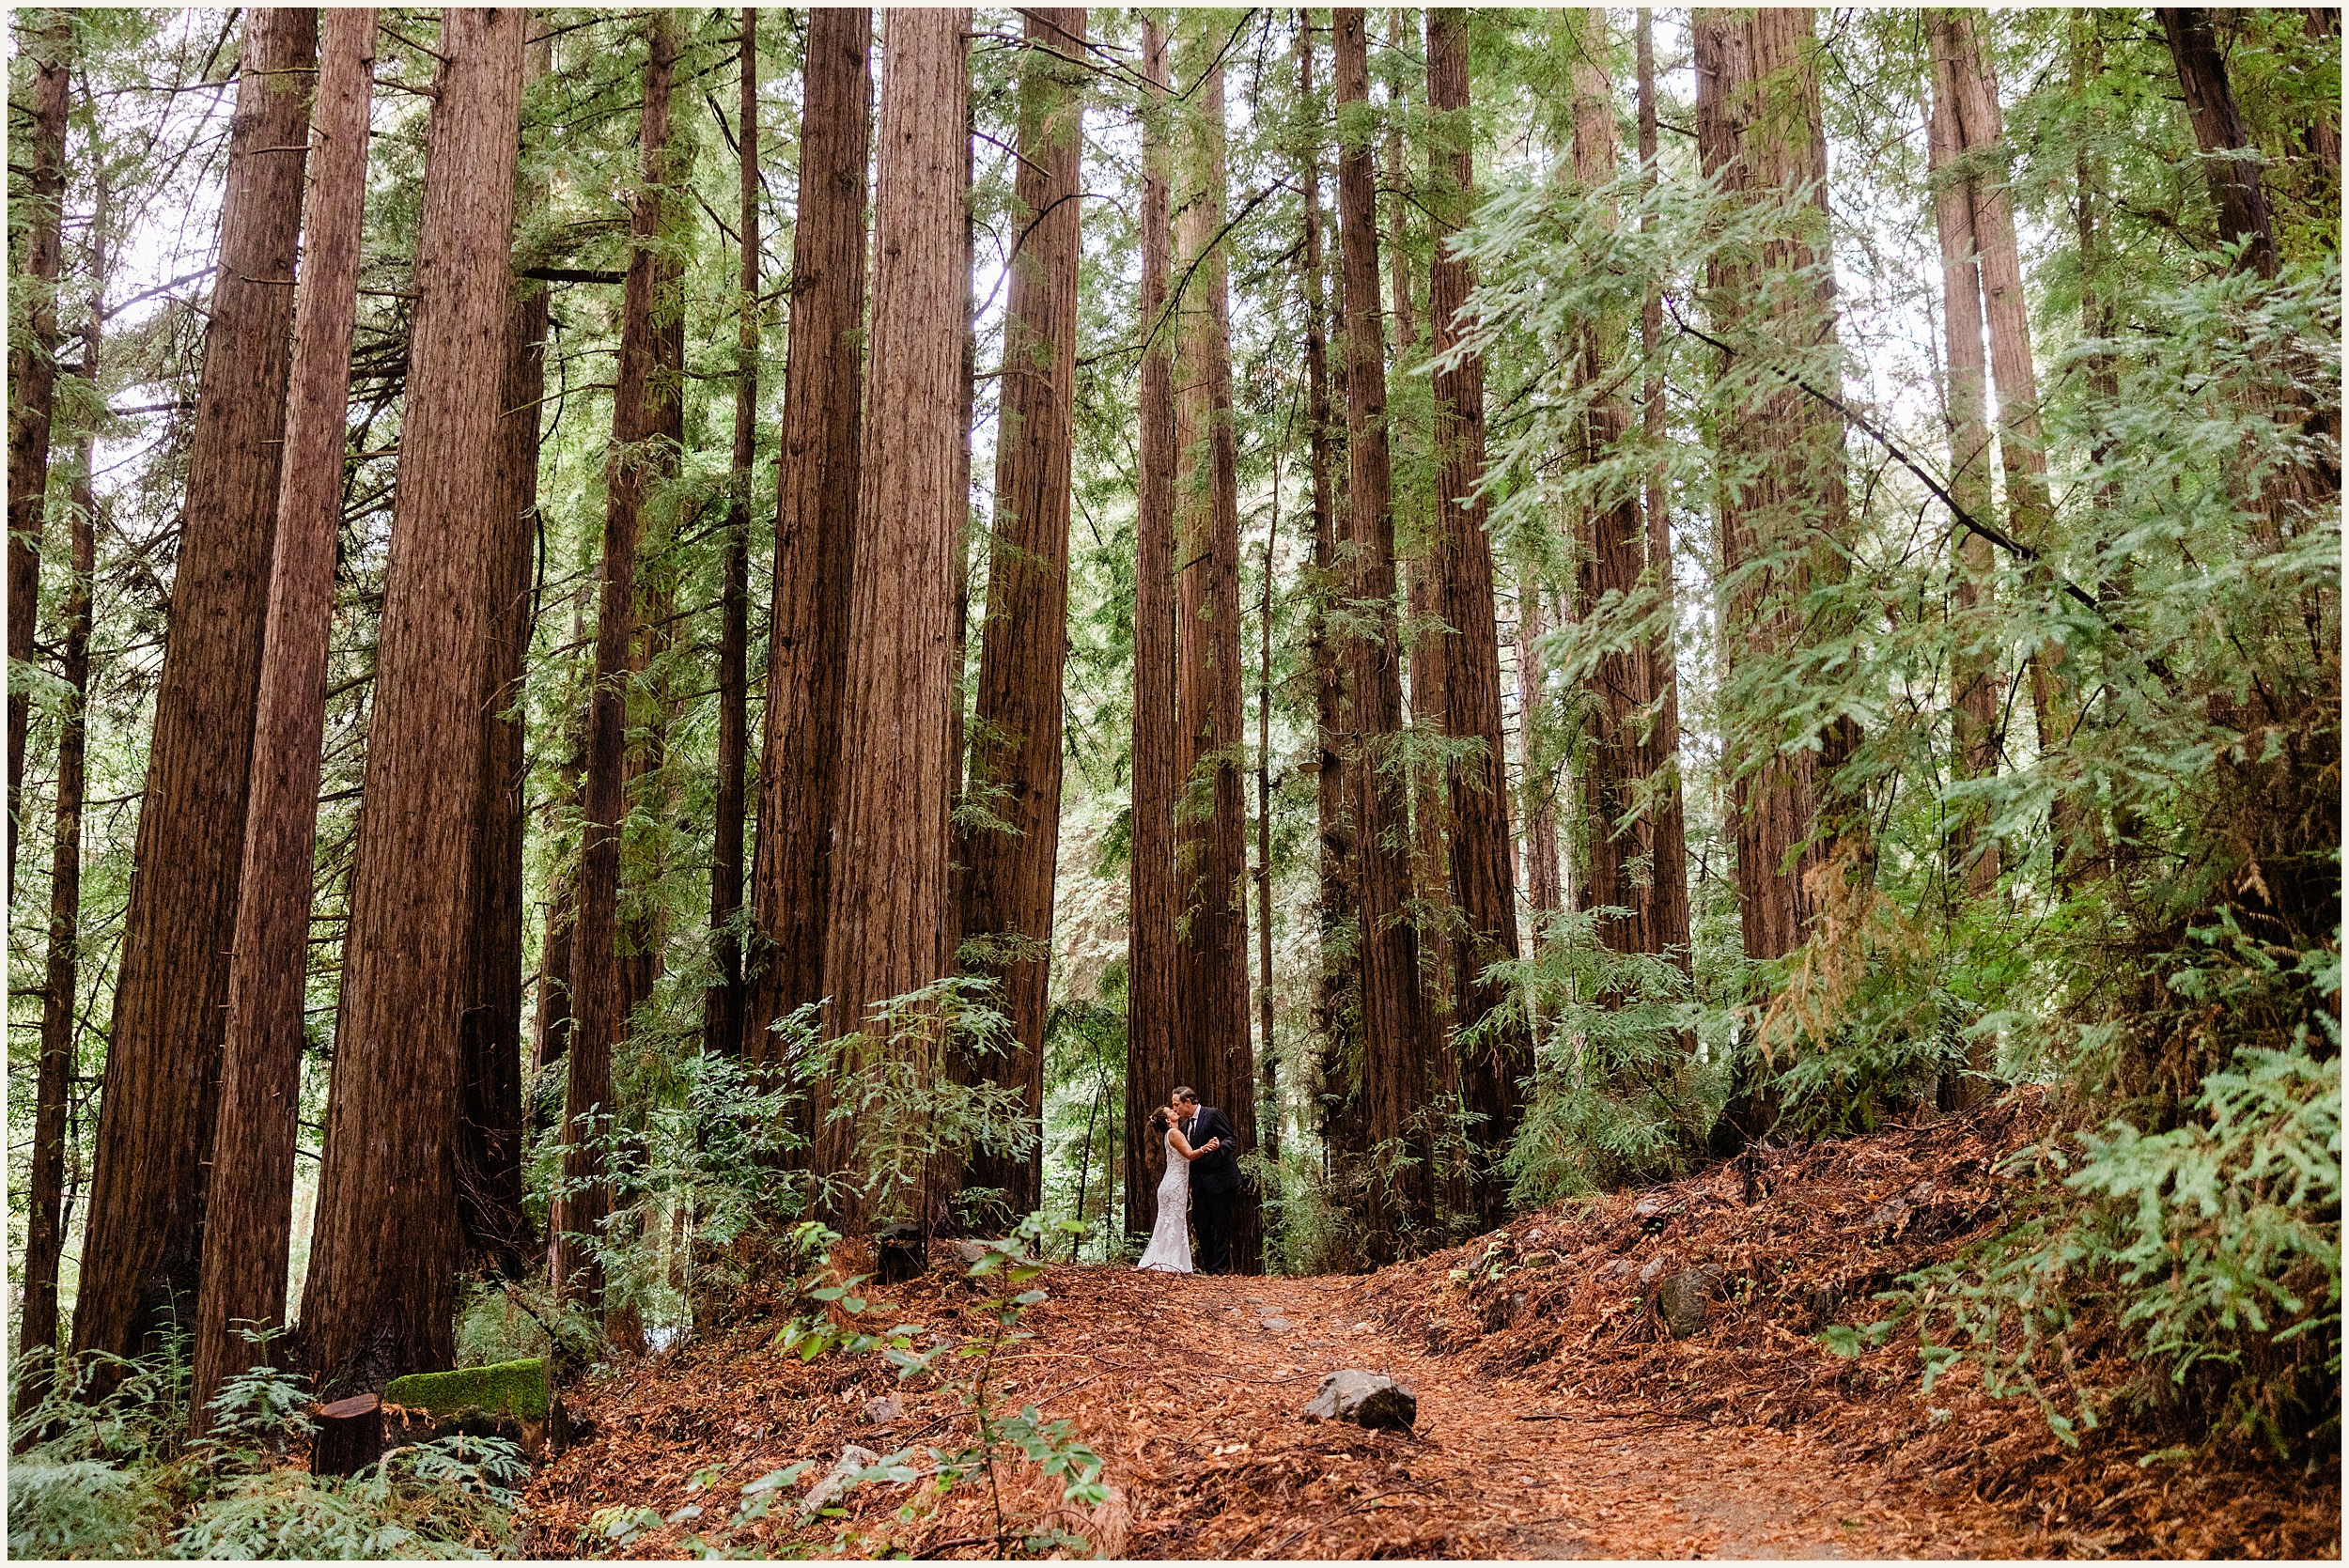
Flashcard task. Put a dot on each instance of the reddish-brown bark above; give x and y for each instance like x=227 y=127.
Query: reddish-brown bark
x=45 y=1210
x=48 y=41
x=2218 y=130
x=602 y=996
x=1668 y=891
x=142 y=1251
x=250 y=1212
x=1211 y=1046
x=380 y=1299
x=815 y=528
x=1008 y=878
x=1760 y=133
x=1477 y=788
x=1324 y=448
x=1152 y=984
x=891 y=923
x=721 y=1010
x=1396 y=1058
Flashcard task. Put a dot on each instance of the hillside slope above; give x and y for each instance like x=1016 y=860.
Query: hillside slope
x=1558 y=1417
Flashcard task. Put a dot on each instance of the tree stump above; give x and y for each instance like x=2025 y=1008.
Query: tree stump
x=905 y=1253
x=350 y=1436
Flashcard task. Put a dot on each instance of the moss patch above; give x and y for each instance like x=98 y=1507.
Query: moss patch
x=509 y=1388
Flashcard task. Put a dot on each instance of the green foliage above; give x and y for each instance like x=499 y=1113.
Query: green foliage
x=1617 y=1097
x=108 y=1476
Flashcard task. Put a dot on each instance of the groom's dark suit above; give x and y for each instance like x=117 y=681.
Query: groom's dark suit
x=1214 y=1188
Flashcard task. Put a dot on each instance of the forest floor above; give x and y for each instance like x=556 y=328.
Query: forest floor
x=1555 y=1417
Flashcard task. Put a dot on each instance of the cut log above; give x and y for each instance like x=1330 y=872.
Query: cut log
x=350 y=1436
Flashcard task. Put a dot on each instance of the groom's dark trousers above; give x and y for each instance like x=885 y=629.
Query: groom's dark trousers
x=1211 y=1216
x=1215 y=1183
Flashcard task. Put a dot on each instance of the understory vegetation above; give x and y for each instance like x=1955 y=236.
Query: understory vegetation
x=1536 y=603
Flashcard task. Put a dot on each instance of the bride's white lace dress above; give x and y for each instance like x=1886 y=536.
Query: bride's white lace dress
x=1170 y=1238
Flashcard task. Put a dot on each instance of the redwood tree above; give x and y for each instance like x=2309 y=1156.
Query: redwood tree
x=380 y=1299
x=45 y=1210
x=251 y=1208
x=1760 y=133
x=1152 y=971
x=1477 y=787
x=33 y=366
x=1007 y=876
x=1211 y=1046
x=141 y=1253
x=1395 y=1055
x=890 y=920
x=490 y=1109
x=601 y=996
x=815 y=526
x=721 y=1014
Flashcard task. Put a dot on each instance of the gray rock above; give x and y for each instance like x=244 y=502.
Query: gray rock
x=1889 y=1214
x=1614 y=1269
x=834 y=1485
x=968 y=1254
x=1652 y=1270
x=1651 y=1209
x=1682 y=1300
x=1365 y=1398
x=881 y=1412
x=1278 y=1325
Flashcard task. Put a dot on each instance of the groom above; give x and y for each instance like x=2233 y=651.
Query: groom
x=1214 y=1180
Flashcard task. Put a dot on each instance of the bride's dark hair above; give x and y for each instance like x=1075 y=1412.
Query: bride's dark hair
x=1155 y=1150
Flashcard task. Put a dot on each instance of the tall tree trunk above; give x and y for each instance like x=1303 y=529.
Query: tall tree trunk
x=141 y=1255
x=816 y=529
x=48 y=44
x=1542 y=894
x=1395 y=1054
x=251 y=1208
x=1760 y=133
x=1152 y=993
x=382 y=1294
x=1212 y=1050
x=45 y=1216
x=1332 y=814
x=1610 y=562
x=2221 y=133
x=722 y=1010
x=1008 y=878
x=552 y=1038
x=490 y=1102
x=891 y=925
x=1973 y=678
x=1482 y=886
x=600 y=1000
x=1961 y=75
x=1669 y=879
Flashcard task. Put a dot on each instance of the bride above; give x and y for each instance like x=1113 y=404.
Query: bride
x=1170 y=1239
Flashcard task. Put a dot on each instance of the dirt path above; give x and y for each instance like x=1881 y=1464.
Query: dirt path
x=1193 y=1394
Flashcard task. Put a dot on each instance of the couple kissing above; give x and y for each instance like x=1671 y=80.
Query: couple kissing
x=1183 y=1134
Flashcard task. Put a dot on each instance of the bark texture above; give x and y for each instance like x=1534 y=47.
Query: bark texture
x=380 y=1297
x=1669 y=836
x=1212 y=1050
x=1395 y=1055
x=1016 y=749
x=251 y=1208
x=1973 y=677
x=722 y=1013
x=601 y=994
x=815 y=528
x=47 y=41
x=1759 y=132
x=891 y=923
x=1483 y=890
x=2219 y=131
x=142 y=1251
x=46 y=1214
x=1152 y=983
